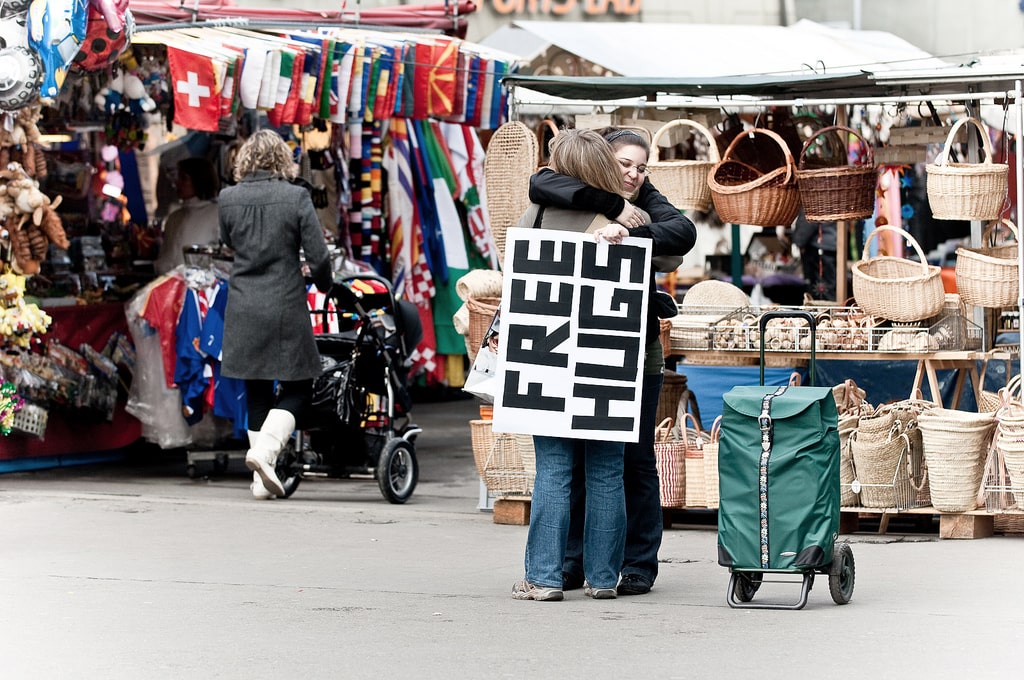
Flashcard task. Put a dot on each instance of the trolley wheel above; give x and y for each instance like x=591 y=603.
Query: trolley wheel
x=745 y=584
x=191 y=471
x=842 y=574
x=397 y=470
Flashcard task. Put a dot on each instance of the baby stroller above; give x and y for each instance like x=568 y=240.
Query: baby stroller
x=358 y=422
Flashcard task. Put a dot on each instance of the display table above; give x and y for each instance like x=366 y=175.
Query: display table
x=71 y=439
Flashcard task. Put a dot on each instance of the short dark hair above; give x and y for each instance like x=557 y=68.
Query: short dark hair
x=205 y=181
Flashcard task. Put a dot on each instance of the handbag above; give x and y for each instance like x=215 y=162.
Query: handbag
x=482 y=380
x=336 y=393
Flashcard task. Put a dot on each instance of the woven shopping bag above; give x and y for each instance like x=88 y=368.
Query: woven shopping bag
x=711 y=464
x=693 y=459
x=669 y=458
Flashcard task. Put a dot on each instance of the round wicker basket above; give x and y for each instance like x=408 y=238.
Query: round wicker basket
x=895 y=288
x=683 y=182
x=844 y=192
x=987 y=276
x=743 y=194
x=966 y=191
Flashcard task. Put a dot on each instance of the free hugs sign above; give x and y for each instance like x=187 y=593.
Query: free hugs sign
x=573 y=337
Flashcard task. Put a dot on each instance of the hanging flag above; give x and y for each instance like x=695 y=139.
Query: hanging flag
x=466 y=158
x=475 y=90
x=291 y=103
x=269 y=80
x=284 y=82
x=196 y=91
x=342 y=83
x=252 y=76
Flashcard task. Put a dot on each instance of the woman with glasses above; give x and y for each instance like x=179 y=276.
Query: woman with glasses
x=673 y=235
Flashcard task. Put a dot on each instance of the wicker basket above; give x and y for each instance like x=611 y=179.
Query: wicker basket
x=847 y=496
x=482 y=437
x=955 y=448
x=683 y=182
x=966 y=191
x=510 y=466
x=711 y=492
x=876 y=461
x=743 y=194
x=844 y=192
x=895 y=288
x=481 y=314
x=510 y=161
x=693 y=460
x=987 y=276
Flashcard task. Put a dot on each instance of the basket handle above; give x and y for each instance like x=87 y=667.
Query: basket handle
x=837 y=128
x=993 y=225
x=943 y=158
x=716 y=429
x=684 y=122
x=905 y=234
x=778 y=140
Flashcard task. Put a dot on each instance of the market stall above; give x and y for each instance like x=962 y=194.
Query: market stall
x=946 y=344
x=386 y=129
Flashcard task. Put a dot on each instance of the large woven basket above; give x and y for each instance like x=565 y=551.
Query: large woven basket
x=955 y=448
x=841 y=192
x=895 y=288
x=987 y=276
x=743 y=194
x=482 y=439
x=510 y=161
x=876 y=456
x=966 y=191
x=683 y=182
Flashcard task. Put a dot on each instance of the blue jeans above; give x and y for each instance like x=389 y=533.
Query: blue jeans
x=604 y=525
x=643 y=500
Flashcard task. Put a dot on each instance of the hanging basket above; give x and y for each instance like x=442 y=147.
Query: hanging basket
x=683 y=182
x=845 y=192
x=743 y=194
x=966 y=191
x=987 y=276
x=895 y=288
x=481 y=314
x=510 y=161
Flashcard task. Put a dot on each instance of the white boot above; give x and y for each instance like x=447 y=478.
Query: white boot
x=262 y=457
x=259 y=492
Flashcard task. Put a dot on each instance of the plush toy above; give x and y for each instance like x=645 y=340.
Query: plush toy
x=30 y=219
x=19 y=320
x=125 y=91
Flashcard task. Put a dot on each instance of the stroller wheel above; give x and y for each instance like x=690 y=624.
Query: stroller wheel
x=288 y=469
x=397 y=470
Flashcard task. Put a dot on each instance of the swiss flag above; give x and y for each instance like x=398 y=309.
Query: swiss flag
x=196 y=90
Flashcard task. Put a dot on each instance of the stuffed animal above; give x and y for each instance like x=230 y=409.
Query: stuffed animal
x=30 y=218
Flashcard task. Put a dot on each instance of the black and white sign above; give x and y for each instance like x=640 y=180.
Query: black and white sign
x=573 y=312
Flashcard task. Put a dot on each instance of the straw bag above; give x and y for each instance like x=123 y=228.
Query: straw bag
x=711 y=464
x=844 y=192
x=670 y=460
x=482 y=440
x=876 y=466
x=693 y=458
x=683 y=182
x=744 y=194
x=987 y=276
x=510 y=161
x=966 y=191
x=847 y=496
x=955 y=448
x=895 y=288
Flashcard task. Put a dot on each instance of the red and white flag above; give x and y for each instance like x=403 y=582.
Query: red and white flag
x=196 y=89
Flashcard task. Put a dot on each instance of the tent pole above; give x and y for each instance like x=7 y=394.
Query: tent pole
x=1019 y=161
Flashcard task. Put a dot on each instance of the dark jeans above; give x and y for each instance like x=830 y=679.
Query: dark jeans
x=643 y=501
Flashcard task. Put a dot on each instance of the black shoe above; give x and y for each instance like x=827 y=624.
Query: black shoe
x=571 y=581
x=633 y=584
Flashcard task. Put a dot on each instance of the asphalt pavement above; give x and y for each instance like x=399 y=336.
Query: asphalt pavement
x=134 y=570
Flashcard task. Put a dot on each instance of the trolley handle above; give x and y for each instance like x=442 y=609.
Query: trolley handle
x=762 y=324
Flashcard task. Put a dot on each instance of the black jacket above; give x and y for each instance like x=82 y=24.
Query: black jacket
x=672 y=232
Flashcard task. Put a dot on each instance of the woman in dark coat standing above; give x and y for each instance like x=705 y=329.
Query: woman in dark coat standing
x=268 y=222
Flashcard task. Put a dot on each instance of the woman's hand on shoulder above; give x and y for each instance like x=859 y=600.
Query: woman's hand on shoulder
x=630 y=216
x=612 y=233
